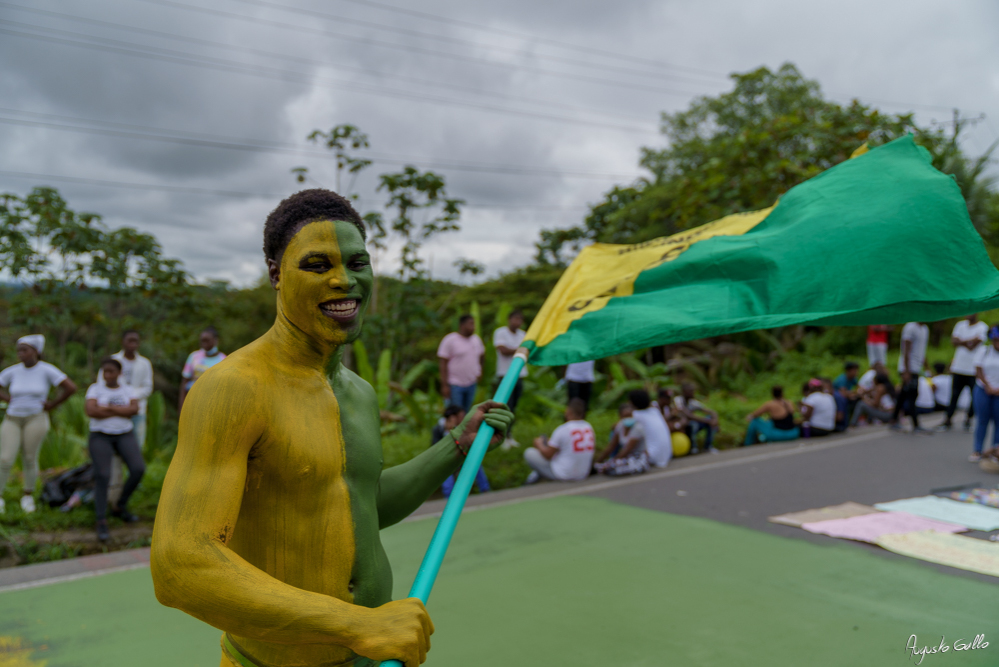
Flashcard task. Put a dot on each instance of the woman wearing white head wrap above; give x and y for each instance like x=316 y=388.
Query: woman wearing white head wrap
x=25 y=387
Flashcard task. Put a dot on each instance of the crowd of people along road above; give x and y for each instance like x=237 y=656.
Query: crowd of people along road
x=116 y=404
x=649 y=430
x=970 y=383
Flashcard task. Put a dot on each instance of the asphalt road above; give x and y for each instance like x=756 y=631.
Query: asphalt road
x=868 y=466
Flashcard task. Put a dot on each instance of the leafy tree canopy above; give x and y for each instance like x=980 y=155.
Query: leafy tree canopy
x=741 y=150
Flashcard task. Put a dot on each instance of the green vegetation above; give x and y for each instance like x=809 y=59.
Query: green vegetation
x=81 y=284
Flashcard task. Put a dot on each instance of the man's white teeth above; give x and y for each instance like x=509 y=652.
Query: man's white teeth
x=340 y=307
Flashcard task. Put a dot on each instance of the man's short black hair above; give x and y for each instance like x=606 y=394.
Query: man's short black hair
x=639 y=398
x=850 y=365
x=129 y=331
x=211 y=330
x=940 y=367
x=464 y=318
x=514 y=313
x=304 y=207
x=777 y=391
x=577 y=406
x=110 y=361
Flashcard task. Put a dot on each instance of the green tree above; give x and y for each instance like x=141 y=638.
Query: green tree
x=735 y=152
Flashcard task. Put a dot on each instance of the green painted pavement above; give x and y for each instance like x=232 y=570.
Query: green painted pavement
x=583 y=581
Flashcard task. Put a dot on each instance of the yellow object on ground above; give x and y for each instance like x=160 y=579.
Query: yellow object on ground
x=681 y=444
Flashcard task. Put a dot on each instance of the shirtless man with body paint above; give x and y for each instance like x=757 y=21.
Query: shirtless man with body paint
x=268 y=524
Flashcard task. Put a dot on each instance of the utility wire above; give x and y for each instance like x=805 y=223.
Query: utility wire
x=462 y=58
x=307 y=61
x=589 y=50
x=128 y=130
x=287 y=76
x=142 y=186
x=464 y=42
x=236 y=193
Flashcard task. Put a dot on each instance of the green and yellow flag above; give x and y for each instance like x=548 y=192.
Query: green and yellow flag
x=883 y=238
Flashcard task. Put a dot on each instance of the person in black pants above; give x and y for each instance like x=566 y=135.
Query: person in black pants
x=110 y=407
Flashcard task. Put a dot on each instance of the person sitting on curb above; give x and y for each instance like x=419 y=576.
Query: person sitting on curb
x=818 y=408
x=877 y=405
x=452 y=417
x=625 y=454
x=699 y=418
x=568 y=455
x=779 y=427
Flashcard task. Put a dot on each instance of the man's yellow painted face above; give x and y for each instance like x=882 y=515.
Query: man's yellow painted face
x=325 y=281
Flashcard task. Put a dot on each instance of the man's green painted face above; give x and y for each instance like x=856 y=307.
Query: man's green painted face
x=326 y=280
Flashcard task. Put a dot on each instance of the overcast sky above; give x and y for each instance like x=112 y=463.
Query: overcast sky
x=531 y=109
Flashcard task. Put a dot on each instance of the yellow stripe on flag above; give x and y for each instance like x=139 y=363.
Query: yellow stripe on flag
x=604 y=271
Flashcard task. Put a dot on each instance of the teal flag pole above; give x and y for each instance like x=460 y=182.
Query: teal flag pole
x=432 y=560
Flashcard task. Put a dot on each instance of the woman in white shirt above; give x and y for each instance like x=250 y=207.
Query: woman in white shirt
x=986 y=393
x=110 y=406
x=25 y=387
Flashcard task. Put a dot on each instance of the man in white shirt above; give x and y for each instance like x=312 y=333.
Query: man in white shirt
x=818 y=408
x=968 y=335
x=137 y=373
x=911 y=363
x=579 y=380
x=568 y=455
x=506 y=340
x=658 y=439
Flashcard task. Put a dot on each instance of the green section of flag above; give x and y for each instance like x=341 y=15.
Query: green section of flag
x=884 y=238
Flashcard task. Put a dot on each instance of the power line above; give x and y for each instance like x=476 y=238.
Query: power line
x=236 y=193
x=455 y=40
x=462 y=58
x=287 y=76
x=128 y=130
x=282 y=56
x=590 y=50
x=141 y=186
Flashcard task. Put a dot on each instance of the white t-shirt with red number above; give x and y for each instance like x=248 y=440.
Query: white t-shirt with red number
x=574 y=441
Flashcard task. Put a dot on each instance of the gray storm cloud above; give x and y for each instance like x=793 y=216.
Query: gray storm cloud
x=84 y=85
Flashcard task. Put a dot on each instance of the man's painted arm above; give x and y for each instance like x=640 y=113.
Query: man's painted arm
x=405 y=487
x=193 y=568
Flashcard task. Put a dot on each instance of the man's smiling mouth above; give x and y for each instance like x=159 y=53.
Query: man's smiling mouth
x=341 y=310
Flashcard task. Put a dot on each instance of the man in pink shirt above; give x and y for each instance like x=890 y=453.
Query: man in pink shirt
x=460 y=354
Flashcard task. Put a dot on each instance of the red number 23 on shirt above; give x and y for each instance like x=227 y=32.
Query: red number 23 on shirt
x=582 y=440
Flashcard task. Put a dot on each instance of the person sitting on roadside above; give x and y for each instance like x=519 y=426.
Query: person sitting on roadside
x=878 y=404
x=942 y=383
x=842 y=405
x=925 y=402
x=943 y=387
x=699 y=417
x=618 y=433
x=674 y=419
x=846 y=385
x=453 y=415
x=865 y=385
x=658 y=439
x=818 y=409
x=779 y=427
x=568 y=455
x=625 y=453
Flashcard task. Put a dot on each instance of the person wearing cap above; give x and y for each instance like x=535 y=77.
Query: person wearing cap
x=25 y=387
x=986 y=393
